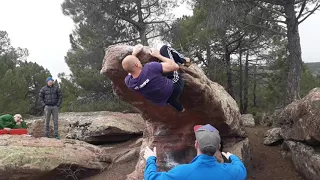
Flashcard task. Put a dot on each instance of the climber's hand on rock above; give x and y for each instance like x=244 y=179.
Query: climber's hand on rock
x=227 y=155
x=137 y=49
x=148 y=152
x=155 y=52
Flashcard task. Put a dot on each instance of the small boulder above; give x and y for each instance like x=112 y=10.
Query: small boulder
x=240 y=149
x=247 y=120
x=275 y=118
x=265 y=119
x=273 y=137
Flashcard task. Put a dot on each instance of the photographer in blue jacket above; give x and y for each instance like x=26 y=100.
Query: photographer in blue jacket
x=204 y=166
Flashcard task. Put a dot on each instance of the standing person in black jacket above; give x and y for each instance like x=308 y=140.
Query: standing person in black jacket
x=51 y=99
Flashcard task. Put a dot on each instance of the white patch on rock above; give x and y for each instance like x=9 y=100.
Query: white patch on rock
x=170 y=161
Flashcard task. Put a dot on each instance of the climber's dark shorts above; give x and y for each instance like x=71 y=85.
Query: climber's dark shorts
x=174 y=98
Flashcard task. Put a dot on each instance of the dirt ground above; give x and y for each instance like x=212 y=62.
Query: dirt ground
x=266 y=162
x=118 y=171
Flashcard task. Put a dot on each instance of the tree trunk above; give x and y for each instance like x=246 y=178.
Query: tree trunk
x=143 y=26
x=143 y=37
x=210 y=62
x=294 y=74
x=246 y=84
x=254 y=86
x=240 y=82
x=229 y=73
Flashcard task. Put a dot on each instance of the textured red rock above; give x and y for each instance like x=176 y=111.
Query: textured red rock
x=25 y=157
x=172 y=132
x=93 y=127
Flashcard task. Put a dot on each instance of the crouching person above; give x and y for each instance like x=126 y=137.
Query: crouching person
x=8 y=122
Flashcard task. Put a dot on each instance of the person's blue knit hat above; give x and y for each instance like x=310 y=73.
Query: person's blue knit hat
x=49 y=79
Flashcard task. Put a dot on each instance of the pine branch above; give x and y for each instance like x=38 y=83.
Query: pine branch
x=311 y=12
x=275 y=2
x=270 y=10
x=270 y=20
x=302 y=8
x=266 y=28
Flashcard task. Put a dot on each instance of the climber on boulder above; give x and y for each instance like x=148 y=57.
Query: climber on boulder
x=157 y=82
x=204 y=166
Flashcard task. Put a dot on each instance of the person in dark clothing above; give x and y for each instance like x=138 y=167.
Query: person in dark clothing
x=178 y=83
x=51 y=99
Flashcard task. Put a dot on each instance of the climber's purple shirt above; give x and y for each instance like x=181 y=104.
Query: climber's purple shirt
x=151 y=84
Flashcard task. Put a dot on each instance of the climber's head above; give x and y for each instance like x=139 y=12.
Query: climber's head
x=207 y=139
x=131 y=64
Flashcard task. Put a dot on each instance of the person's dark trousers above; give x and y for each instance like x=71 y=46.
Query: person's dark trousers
x=54 y=110
x=171 y=53
x=174 y=98
x=178 y=83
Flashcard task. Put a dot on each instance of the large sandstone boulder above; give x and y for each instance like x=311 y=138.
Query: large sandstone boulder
x=172 y=132
x=300 y=128
x=30 y=158
x=305 y=159
x=94 y=127
x=300 y=120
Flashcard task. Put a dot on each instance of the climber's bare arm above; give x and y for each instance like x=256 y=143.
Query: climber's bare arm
x=168 y=65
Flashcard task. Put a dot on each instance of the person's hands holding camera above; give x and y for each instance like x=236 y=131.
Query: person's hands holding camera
x=227 y=155
x=148 y=152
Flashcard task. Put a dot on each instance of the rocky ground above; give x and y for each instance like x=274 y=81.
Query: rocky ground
x=266 y=161
x=118 y=171
x=117 y=159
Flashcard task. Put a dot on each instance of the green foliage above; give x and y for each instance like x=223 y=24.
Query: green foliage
x=78 y=99
x=128 y=21
x=20 y=81
x=87 y=105
x=308 y=81
x=314 y=67
x=221 y=27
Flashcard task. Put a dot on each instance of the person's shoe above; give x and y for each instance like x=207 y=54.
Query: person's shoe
x=187 y=63
x=183 y=110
